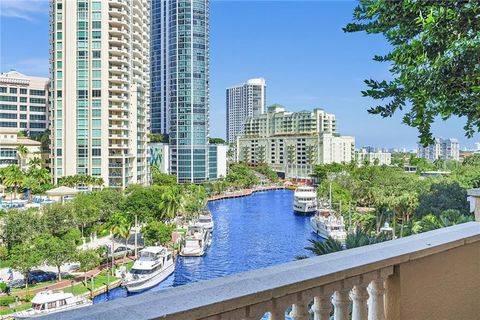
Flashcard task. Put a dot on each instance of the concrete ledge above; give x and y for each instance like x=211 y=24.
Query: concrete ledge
x=207 y=298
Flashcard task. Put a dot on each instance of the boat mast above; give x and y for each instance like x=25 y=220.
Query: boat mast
x=330 y=198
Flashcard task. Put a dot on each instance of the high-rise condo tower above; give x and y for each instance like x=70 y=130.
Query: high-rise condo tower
x=100 y=89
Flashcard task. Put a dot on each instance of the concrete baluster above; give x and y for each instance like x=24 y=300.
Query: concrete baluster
x=322 y=307
x=341 y=303
x=376 y=308
x=359 y=296
x=300 y=311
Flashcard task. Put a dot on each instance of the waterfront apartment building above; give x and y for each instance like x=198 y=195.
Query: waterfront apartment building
x=245 y=100
x=293 y=142
x=444 y=149
x=24 y=103
x=373 y=156
x=100 y=89
x=9 y=141
x=179 y=78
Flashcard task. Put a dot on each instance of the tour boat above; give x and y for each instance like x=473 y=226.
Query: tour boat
x=48 y=302
x=153 y=265
x=205 y=220
x=329 y=226
x=305 y=200
x=197 y=239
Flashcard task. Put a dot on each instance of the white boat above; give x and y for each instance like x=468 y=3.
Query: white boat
x=329 y=226
x=205 y=221
x=153 y=265
x=305 y=200
x=196 y=241
x=48 y=302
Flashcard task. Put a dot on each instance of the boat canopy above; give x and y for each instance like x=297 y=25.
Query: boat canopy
x=50 y=296
x=153 y=250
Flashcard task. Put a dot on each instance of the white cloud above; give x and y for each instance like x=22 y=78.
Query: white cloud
x=23 y=9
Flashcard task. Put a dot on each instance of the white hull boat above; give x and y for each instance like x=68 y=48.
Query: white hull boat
x=154 y=264
x=205 y=221
x=196 y=242
x=330 y=226
x=48 y=302
x=305 y=200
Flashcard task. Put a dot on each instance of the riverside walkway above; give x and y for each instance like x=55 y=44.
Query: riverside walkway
x=244 y=192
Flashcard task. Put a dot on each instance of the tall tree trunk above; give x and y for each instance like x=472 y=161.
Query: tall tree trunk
x=403 y=222
x=59 y=273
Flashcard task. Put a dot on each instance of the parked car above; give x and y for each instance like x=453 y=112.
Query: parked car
x=119 y=252
x=36 y=276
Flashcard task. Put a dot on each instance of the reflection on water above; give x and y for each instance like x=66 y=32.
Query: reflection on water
x=250 y=233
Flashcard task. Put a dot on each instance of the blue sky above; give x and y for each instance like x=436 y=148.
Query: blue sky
x=297 y=46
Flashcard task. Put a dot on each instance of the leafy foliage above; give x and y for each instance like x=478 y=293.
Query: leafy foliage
x=434 y=60
x=216 y=141
x=157 y=233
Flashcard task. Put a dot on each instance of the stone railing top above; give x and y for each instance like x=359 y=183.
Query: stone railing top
x=474 y=192
x=206 y=298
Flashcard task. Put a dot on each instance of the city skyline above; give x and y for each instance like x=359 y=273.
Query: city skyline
x=299 y=79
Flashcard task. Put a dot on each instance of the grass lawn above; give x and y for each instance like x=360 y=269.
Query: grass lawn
x=21 y=307
x=98 y=281
x=37 y=286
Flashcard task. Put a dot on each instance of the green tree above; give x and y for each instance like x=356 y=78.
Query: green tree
x=21 y=226
x=216 y=141
x=157 y=233
x=24 y=257
x=22 y=153
x=443 y=196
x=162 y=179
x=87 y=209
x=58 y=219
x=434 y=58
x=88 y=260
x=171 y=202
x=157 y=137
x=56 y=251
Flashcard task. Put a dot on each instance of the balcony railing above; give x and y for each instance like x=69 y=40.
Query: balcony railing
x=434 y=275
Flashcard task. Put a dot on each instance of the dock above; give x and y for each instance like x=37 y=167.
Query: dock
x=244 y=193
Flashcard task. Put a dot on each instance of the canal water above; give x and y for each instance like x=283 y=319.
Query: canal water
x=252 y=232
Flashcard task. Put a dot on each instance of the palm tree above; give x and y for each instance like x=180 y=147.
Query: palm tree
x=328 y=246
x=22 y=152
x=35 y=163
x=13 y=177
x=172 y=202
x=119 y=227
x=29 y=183
x=355 y=239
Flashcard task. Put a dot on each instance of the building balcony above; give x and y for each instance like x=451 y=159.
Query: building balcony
x=434 y=275
x=118 y=12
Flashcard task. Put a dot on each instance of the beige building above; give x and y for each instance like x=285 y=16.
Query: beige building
x=23 y=103
x=9 y=141
x=293 y=142
x=100 y=89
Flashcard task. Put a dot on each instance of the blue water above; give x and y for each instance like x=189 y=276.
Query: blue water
x=252 y=232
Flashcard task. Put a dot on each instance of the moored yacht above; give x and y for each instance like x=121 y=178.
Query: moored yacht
x=205 y=221
x=153 y=265
x=305 y=200
x=48 y=302
x=329 y=226
x=197 y=239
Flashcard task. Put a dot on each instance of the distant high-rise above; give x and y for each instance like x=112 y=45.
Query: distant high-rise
x=246 y=100
x=444 y=149
x=179 y=80
x=100 y=89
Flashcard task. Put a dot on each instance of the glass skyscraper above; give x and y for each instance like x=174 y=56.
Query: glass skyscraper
x=179 y=84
